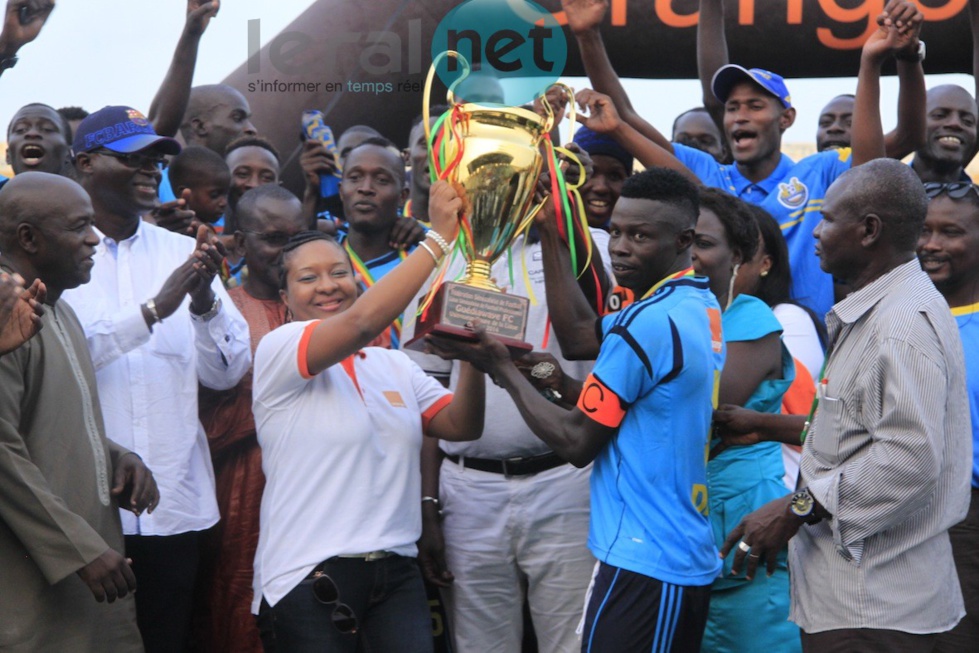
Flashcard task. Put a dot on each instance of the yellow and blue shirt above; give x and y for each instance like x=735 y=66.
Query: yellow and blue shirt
x=967 y=317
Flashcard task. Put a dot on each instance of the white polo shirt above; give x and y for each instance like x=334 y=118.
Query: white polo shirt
x=340 y=451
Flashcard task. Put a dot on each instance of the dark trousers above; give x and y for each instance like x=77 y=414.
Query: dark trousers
x=630 y=612
x=964 y=638
x=165 y=569
x=867 y=640
x=387 y=597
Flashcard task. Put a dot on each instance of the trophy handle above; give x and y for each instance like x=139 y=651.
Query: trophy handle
x=449 y=95
x=569 y=93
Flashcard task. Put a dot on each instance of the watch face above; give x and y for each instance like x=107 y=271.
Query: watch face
x=801 y=504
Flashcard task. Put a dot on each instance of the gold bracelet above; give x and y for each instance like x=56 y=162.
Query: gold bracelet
x=428 y=249
x=441 y=242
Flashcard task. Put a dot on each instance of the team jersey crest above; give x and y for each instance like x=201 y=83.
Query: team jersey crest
x=793 y=194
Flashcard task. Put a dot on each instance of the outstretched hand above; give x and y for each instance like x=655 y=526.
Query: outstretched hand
x=20 y=311
x=22 y=23
x=898 y=29
x=602 y=116
x=199 y=15
x=584 y=15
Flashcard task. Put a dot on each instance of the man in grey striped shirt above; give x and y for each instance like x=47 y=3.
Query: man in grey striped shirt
x=887 y=461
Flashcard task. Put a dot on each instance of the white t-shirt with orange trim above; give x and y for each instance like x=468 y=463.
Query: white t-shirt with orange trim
x=340 y=451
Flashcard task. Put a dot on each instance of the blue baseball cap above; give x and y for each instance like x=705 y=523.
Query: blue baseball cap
x=120 y=129
x=728 y=76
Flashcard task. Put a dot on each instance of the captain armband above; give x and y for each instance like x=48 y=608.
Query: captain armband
x=600 y=404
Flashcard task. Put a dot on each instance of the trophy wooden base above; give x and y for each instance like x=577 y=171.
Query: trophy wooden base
x=455 y=305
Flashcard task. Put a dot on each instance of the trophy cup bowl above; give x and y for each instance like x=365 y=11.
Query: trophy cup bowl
x=497 y=172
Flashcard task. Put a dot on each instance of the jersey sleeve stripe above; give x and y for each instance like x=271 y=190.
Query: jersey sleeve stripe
x=677 y=353
x=302 y=354
x=623 y=333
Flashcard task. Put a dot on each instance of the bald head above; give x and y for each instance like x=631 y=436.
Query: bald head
x=216 y=115
x=893 y=192
x=33 y=198
x=46 y=230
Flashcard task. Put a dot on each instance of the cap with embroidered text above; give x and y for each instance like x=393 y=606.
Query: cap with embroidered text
x=120 y=129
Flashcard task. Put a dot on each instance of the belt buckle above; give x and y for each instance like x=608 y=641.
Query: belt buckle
x=506 y=462
x=375 y=555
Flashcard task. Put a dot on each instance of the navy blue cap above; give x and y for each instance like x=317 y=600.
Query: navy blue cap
x=596 y=143
x=728 y=76
x=120 y=129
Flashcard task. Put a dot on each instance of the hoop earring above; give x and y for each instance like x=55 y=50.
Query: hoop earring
x=730 y=287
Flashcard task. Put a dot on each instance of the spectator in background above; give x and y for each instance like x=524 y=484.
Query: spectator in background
x=695 y=128
x=949 y=253
x=157 y=322
x=611 y=165
x=38 y=139
x=203 y=180
x=74 y=116
x=268 y=216
x=351 y=138
x=373 y=192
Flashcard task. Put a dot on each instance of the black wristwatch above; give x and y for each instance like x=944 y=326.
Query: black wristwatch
x=915 y=56
x=803 y=505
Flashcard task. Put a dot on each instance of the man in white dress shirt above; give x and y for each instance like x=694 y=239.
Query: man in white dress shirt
x=157 y=321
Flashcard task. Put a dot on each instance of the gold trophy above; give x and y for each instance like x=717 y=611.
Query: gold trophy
x=492 y=155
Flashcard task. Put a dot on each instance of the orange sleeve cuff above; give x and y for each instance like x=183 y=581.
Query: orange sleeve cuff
x=302 y=355
x=600 y=404
x=434 y=410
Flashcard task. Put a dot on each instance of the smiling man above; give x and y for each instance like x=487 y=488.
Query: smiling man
x=950 y=135
x=157 y=323
x=949 y=253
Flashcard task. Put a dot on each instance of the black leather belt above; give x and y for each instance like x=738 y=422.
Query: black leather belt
x=511 y=466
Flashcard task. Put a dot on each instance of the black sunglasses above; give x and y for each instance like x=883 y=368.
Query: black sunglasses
x=956 y=190
x=326 y=592
x=137 y=160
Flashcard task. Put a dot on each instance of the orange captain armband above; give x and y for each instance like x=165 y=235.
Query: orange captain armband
x=600 y=404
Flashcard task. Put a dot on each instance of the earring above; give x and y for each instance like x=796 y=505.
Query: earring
x=764 y=273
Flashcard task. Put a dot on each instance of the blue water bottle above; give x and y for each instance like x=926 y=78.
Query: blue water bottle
x=316 y=129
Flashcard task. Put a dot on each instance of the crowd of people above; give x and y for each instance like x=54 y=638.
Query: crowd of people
x=748 y=423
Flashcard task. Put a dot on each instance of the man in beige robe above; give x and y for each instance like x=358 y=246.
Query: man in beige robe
x=62 y=565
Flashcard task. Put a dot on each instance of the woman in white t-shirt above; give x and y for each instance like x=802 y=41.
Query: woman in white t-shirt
x=341 y=429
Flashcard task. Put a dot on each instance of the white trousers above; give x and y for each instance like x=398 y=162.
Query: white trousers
x=504 y=536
